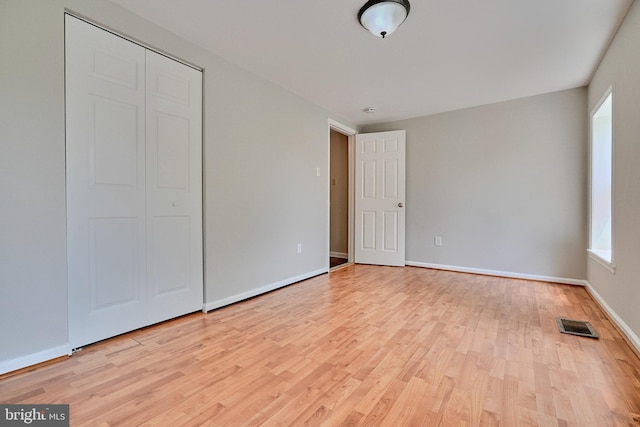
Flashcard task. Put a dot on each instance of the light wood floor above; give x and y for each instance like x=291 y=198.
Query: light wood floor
x=363 y=345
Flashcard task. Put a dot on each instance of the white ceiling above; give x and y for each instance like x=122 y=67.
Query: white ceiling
x=449 y=54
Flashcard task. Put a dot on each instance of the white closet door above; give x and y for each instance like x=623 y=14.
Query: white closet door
x=134 y=185
x=174 y=187
x=105 y=95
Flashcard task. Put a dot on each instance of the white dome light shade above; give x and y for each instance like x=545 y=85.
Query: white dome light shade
x=381 y=17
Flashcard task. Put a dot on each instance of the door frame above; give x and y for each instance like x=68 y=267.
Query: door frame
x=350 y=133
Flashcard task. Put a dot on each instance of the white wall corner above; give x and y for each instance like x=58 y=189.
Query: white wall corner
x=511 y=275
x=262 y=290
x=33 y=359
x=631 y=336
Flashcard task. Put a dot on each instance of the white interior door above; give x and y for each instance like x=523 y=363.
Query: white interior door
x=380 y=198
x=134 y=226
x=105 y=93
x=174 y=187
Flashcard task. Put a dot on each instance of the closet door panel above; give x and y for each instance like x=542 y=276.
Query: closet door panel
x=113 y=262
x=172 y=151
x=134 y=185
x=114 y=151
x=105 y=96
x=174 y=186
x=171 y=254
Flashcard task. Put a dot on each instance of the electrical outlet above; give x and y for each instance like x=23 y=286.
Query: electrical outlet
x=299 y=248
x=437 y=241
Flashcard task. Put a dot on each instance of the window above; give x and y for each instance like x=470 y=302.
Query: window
x=600 y=243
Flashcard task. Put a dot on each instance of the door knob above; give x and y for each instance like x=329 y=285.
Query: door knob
x=400 y=205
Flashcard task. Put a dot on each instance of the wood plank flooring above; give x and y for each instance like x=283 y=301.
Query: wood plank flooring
x=363 y=345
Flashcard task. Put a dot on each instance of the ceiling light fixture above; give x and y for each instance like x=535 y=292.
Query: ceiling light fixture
x=382 y=17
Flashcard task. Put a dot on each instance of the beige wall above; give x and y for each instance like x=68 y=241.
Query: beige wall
x=504 y=185
x=620 y=69
x=339 y=193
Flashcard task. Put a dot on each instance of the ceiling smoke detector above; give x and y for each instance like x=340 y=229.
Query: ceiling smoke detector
x=369 y=110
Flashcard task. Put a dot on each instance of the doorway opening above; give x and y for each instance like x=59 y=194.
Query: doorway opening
x=341 y=141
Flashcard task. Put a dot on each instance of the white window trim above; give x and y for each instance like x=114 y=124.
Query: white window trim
x=609 y=265
x=596 y=255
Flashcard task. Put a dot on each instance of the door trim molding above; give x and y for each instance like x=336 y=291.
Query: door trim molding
x=115 y=32
x=350 y=133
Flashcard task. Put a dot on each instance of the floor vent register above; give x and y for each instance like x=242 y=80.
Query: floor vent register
x=576 y=327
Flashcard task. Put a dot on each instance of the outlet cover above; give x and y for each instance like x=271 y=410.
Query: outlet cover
x=437 y=241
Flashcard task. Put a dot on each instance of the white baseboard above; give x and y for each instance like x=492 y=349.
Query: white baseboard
x=622 y=326
x=34 y=359
x=511 y=275
x=262 y=290
x=339 y=255
x=66 y=350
